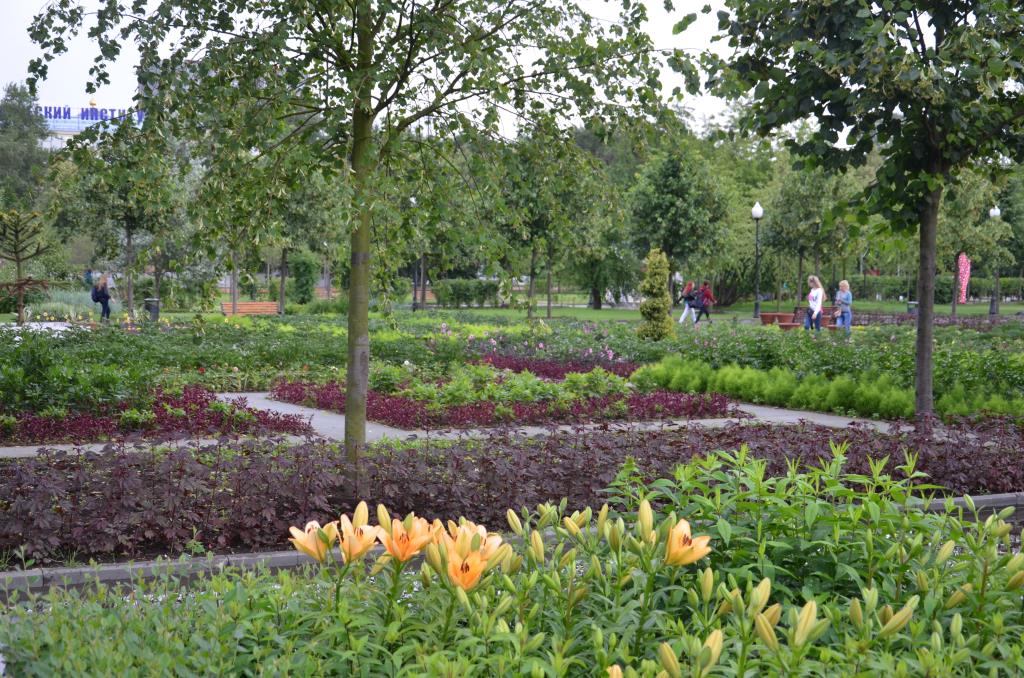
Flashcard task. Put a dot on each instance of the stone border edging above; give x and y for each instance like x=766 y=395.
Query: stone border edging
x=40 y=580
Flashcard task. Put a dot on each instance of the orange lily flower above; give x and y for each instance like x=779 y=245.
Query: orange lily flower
x=355 y=536
x=460 y=538
x=406 y=538
x=682 y=549
x=308 y=540
x=465 y=572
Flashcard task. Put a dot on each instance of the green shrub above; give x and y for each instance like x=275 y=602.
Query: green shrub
x=781 y=385
x=386 y=378
x=657 y=324
x=338 y=305
x=304 y=272
x=841 y=395
x=132 y=419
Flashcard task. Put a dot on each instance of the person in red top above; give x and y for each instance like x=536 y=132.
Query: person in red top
x=705 y=300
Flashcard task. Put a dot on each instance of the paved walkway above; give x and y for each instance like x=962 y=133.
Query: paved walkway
x=331 y=426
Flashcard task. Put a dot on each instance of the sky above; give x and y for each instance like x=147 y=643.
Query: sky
x=65 y=85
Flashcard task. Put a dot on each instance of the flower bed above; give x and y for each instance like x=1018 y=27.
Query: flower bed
x=719 y=571
x=195 y=411
x=556 y=369
x=409 y=413
x=244 y=496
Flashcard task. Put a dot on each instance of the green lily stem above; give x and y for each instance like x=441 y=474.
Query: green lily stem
x=396 y=581
x=448 y=619
x=644 y=611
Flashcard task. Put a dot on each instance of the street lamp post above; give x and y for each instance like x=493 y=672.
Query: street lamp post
x=993 y=304
x=757 y=212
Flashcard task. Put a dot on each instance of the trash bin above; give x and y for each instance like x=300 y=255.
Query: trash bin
x=152 y=306
x=912 y=308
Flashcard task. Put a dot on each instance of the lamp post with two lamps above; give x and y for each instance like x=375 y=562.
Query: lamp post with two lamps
x=757 y=212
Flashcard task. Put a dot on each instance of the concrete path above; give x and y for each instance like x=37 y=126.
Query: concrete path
x=331 y=426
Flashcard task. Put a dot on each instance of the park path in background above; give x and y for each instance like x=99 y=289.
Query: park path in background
x=331 y=426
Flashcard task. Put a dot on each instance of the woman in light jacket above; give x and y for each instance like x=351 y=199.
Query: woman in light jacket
x=815 y=298
x=845 y=301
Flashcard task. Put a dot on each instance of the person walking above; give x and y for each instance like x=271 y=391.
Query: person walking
x=101 y=296
x=845 y=300
x=815 y=298
x=689 y=302
x=705 y=300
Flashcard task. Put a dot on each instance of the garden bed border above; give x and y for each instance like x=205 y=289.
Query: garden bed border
x=186 y=568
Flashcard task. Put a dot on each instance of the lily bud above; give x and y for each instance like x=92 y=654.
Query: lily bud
x=614 y=671
x=707 y=584
x=433 y=557
x=759 y=596
x=1015 y=563
x=870 y=600
x=765 y=632
x=460 y=593
x=602 y=519
x=922 y=581
x=856 y=614
x=615 y=538
x=669 y=661
x=645 y=518
x=886 y=614
x=425 y=577
x=537 y=546
x=513 y=521
x=773 y=614
x=498 y=557
x=805 y=622
x=959 y=596
x=1016 y=581
x=900 y=619
x=945 y=552
x=384 y=518
x=713 y=643
x=956 y=625
x=571 y=527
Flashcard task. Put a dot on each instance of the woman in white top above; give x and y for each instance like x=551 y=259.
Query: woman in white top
x=815 y=298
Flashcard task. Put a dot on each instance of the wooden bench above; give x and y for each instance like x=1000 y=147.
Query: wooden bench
x=251 y=308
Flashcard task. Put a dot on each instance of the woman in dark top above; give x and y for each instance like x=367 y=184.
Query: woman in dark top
x=101 y=295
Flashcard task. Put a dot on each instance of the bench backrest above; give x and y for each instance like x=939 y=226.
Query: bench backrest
x=251 y=308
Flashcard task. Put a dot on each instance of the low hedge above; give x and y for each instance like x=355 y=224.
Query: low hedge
x=456 y=292
x=868 y=395
x=718 y=571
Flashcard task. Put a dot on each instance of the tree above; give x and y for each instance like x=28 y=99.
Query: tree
x=128 y=188
x=932 y=84
x=677 y=207
x=21 y=240
x=22 y=157
x=355 y=77
x=657 y=323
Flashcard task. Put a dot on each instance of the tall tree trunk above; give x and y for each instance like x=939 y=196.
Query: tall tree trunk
x=233 y=285
x=327 y=279
x=281 y=287
x=800 y=280
x=129 y=278
x=956 y=288
x=362 y=163
x=18 y=272
x=995 y=293
x=533 y=274
x=423 y=281
x=158 y=276
x=596 y=297
x=929 y=218
x=550 y=264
